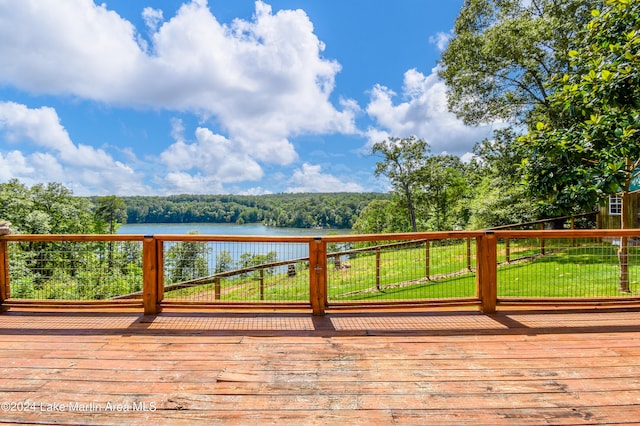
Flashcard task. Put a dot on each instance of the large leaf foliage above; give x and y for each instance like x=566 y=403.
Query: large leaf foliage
x=588 y=146
x=502 y=53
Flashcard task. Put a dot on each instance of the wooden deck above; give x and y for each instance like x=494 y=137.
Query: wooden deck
x=514 y=367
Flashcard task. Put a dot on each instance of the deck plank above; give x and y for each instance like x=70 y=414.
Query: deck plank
x=514 y=367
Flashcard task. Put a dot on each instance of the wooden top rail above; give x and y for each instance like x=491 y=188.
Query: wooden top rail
x=71 y=237
x=407 y=236
x=161 y=237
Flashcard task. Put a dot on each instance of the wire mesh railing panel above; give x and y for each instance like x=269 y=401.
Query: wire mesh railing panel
x=75 y=270
x=568 y=268
x=404 y=271
x=223 y=271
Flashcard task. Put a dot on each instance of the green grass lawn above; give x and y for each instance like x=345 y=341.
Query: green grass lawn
x=570 y=272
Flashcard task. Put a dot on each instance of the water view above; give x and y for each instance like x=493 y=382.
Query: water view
x=237 y=250
x=223 y=229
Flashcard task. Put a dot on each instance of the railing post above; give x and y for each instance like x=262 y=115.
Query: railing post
x=151 y=274
x=160 y=272
x=487 y=269
x=427 y=255
x=216 y=288
x=378 y=268
x=318 y=275
x=261 y=284
x=5 y=290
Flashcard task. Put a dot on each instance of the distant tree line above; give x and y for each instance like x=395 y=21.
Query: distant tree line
x=53 y=209
x=305 y=210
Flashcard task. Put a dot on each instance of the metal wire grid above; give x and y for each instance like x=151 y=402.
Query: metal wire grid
x=405 y=271
x=214 y=272
x=73 y=270
x=565 y=268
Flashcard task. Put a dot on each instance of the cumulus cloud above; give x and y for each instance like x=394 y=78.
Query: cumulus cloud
x=152 y=18
x=263 y=80
x=84 y=169
x=309 y=178
x=423 y=112
x=12 y=164
x=441 y=40
x=204 y=165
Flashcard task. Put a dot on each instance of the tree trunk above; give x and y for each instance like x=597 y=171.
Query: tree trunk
x=412 y=213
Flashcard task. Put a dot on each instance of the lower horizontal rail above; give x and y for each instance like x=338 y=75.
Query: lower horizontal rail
x=569 y=301
x=407 y=304
x=67 y=304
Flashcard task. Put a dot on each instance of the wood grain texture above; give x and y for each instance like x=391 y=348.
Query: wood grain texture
x=445 y=368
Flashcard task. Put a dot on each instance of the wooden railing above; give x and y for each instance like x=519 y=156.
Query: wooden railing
x=478 y=268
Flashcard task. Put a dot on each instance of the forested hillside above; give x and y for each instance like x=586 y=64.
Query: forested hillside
x=336 y=210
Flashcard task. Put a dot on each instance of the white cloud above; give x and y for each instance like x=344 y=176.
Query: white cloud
x=263 y=80
x=152 y=18
x=70 y=47
x=84 y=169
x=255 y=191
x=309 y=178
x=423 y=113
x=441 y=40
x=207 y=163
x=13 y=164
x=184 y=183
x=374 y=135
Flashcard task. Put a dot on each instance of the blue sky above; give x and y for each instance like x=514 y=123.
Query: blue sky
x=228 y=96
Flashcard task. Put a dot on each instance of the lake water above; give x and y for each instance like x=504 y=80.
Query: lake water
x=222 y=229
x=284 y=251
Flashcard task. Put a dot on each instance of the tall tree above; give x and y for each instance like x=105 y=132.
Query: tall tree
x=111 y=211
x=499 y=197
x=402 y=161
x=502 y=53
x=442 y=187
x=376 y=218
x=589 y=147
x=49 y=208
x=495 y=68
